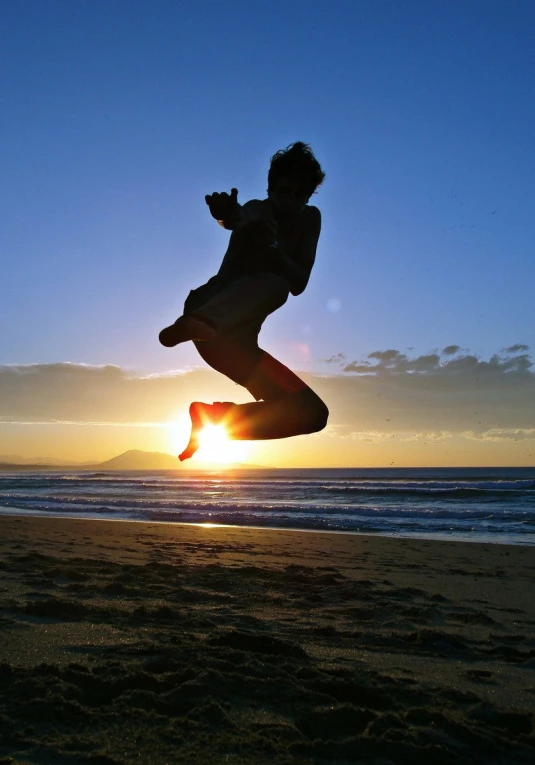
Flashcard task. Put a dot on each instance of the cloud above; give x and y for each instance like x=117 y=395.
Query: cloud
x=457 y=393
x=377 y=436
x=338 y=358
x=394 y=361
x=450 y=364
x=82 y=393
x=388 y=358
x=81 y=423
x=361 y=369
x=502 y=434
x=386 y=395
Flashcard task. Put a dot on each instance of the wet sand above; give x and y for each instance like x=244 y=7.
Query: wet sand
x=159 y=643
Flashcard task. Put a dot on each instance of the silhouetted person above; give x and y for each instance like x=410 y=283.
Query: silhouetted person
x=271 y=252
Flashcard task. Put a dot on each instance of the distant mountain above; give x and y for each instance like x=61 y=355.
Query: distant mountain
x=10 y=467
x=16 y=459
x=134 y=459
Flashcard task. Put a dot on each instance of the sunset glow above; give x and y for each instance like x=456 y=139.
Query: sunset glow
x=217 y=447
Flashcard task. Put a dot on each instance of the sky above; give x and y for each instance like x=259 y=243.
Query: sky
x=418 y=323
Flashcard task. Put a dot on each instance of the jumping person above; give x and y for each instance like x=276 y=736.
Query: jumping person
x=271 y=252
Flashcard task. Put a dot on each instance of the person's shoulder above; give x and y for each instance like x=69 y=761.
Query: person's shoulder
x=254 y=204
x=313 y=216
x=255 y=208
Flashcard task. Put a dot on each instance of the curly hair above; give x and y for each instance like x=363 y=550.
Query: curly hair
x=296 y=161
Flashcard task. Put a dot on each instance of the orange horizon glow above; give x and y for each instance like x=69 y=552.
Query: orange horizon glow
x=93 y=442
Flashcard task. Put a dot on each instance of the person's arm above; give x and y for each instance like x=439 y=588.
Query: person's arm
x=234 y=219
x=229 y=213
x=298 y=271
x=242 y=215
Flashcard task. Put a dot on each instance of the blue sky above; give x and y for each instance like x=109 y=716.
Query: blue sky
x=118 y=117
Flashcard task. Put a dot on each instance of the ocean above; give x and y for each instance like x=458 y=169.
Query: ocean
x=476 y=504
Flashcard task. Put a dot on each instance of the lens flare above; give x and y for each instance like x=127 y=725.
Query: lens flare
x=334 y=305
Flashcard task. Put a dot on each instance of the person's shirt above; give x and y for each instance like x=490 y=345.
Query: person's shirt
x=297 y=239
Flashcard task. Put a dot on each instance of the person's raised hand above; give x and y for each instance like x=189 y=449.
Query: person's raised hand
x=223 y=206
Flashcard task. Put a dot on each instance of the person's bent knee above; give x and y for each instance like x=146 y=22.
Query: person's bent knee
x=315 y=412
x=321 y=415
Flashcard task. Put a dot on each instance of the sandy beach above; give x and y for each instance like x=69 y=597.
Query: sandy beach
x=163 y=643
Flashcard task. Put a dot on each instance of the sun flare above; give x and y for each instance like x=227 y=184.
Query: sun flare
x=215 y=445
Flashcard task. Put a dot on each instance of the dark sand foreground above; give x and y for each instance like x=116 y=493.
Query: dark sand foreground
x=153 y=643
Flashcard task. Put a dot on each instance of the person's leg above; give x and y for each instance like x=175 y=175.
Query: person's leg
x=247 y=299
x=286 y=406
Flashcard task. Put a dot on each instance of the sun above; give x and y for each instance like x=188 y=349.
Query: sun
x=215 y=445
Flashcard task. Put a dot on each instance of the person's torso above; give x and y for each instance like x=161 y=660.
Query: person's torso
x=243 y=257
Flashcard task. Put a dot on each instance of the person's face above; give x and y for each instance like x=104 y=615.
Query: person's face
x=288 y=197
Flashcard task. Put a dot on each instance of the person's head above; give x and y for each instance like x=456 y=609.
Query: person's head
x=294 y=175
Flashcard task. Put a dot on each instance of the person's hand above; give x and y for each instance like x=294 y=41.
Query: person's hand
x=261 y=233
x=223 y=206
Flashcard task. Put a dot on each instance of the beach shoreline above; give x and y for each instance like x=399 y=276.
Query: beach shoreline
x=259 y=645
x=477 y=539
x=486 y=506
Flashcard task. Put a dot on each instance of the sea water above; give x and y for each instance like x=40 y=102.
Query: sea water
x=478 y=504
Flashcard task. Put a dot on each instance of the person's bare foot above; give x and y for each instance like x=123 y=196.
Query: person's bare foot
x=186 y=328
x=201 y=415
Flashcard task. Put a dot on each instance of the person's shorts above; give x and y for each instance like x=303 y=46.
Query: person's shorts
x=198 y=297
